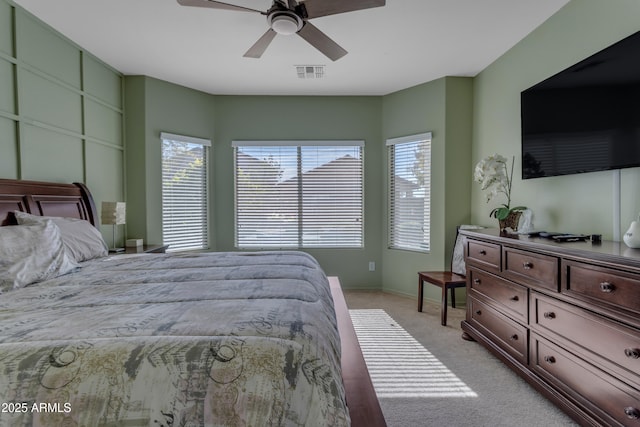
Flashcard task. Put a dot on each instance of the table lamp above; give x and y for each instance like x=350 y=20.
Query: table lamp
x=114 y=213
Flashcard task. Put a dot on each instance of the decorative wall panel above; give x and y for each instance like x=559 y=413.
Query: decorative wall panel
x=61 y=108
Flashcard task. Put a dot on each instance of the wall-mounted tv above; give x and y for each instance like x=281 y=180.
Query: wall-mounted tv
x=585 y=118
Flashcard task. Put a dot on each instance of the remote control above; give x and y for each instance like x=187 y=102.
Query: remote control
x=570 y=237
x=550 y=235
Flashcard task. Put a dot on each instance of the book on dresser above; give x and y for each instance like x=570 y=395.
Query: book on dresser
x=563 y=315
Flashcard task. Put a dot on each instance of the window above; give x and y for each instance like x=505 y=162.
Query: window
x=184 y=192
x=409 y=192
x=291 y=194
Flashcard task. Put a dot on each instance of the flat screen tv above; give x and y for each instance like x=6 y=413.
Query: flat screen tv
x=585 y=118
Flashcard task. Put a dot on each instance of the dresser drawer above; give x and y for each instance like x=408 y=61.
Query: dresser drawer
x=531 y=268
x=508 y=334
x=612 y=346
x=486 y=255
x=511 y=297
x=608 y=396
x=601 y=285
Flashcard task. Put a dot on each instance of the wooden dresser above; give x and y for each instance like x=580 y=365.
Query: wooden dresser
x=565 y=316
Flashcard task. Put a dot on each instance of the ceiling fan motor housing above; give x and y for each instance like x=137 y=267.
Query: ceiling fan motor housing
x=284 y=22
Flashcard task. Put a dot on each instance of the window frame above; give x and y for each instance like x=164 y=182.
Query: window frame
x=204 y=201
x=395 y=236
x=298 y=240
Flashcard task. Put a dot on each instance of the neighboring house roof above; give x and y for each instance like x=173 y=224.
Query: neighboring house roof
x=340 y=166
x=249 y=165
x=405 y=185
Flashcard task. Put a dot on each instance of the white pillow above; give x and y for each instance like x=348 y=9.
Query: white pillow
x=31 y=253
x=81 y=239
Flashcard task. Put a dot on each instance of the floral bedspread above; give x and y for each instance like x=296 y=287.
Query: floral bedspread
x=207 y=339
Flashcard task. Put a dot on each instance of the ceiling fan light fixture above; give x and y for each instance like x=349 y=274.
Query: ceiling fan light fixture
x=285 y=23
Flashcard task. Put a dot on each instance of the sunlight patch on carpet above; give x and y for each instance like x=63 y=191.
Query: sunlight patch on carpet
x=398 y=364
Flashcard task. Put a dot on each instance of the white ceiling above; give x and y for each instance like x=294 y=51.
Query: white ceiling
x=402 y=44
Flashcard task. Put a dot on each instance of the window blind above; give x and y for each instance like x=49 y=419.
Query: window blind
x=299 y=194
x=184 y=192
x=410 y=192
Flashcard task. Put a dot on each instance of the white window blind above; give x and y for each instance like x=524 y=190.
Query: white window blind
x=299 y=194
x=184 y=192
x=410 y=192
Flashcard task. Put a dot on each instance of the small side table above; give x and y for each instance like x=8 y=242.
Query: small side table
x=447 y=281
x=148 y=249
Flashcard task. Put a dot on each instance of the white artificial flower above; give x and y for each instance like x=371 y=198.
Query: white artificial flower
x=494 y=176
x=491 y=174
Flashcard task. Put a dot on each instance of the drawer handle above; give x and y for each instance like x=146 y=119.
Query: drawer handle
x=527 y=265
x=607 y=287
x=482 y=252
x=632 y=353
x=478 y=312
x=549 y=315
x=514 y=298
x=632 y=413
x=513 y=337
x=477 y=281
x=550 y=359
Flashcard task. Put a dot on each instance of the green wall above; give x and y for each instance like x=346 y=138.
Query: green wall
x=443 y=107
x=61 y=109
x=321 y=118
x=574 y=203
x=155 y=106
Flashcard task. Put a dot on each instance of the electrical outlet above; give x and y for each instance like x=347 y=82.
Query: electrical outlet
x=372 y=266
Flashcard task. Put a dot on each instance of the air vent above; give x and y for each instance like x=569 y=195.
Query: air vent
x=310 y=71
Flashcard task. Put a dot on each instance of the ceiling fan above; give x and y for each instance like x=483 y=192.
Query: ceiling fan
x=288 y=17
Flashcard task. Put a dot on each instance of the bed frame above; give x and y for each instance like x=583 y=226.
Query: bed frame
x=45 y=199
x=364 y=408
x=75 y=201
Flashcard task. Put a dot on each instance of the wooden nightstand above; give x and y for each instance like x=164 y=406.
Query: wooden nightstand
x=156 y=249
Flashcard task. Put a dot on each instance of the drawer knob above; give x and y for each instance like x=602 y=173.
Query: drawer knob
x=549 y=315
x=482 y=252
x=478 y=312
x=477 y=281
x=607 y=287
x=550 y=359
x=632 y=353
x=527 y=265
x=513 y=337
x=632 y=413
x=514 y=298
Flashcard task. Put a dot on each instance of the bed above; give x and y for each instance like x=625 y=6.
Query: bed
x=229 y=339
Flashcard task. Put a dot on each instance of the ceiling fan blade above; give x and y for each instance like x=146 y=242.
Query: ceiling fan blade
x=317 y=8
x=261 y=45
x=321 y=41
x=217 y=5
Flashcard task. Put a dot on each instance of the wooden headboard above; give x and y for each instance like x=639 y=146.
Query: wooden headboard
x=45 y=199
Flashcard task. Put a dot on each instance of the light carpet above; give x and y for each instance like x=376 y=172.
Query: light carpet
x=398 y=364
x=425 y=374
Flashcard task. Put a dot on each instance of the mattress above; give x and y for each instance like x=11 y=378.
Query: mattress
x=189 y=339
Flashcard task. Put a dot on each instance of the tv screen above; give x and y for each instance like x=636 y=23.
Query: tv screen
x=585 y=118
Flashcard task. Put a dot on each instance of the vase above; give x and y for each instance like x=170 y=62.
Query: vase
x=511 y=221
x=632 y=236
